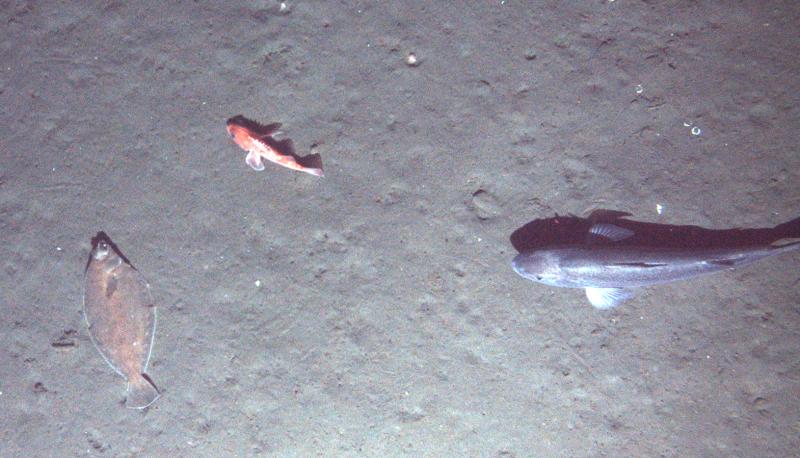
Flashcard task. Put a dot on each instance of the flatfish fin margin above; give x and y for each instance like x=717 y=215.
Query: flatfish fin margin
x=141 y=392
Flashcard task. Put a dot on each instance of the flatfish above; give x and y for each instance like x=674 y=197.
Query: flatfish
x=121 y=316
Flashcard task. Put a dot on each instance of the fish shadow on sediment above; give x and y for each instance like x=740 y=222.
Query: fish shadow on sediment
x=570 y=229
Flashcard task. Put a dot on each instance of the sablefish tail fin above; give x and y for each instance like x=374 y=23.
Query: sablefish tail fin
x=141 y=392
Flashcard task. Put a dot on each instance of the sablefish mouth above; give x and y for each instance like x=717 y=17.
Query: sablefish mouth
x=519 y=268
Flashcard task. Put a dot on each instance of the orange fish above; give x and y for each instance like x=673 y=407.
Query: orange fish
x=121 y=316
x=259 y=143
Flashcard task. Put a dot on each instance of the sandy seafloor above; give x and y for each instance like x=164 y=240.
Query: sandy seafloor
x=388 y=321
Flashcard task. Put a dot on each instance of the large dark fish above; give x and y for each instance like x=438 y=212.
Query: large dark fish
x=607 y=268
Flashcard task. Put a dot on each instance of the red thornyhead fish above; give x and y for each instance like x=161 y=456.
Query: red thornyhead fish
x=259 y=143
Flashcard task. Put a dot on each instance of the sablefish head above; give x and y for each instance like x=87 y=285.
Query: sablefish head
x=539 y=266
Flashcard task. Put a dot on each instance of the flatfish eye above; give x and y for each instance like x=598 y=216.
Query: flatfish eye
x=101 y=251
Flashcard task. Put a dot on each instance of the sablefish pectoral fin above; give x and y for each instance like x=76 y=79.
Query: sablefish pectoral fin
x=253 y=159
x=607 y=231
x=141 y=392
x=605 y=298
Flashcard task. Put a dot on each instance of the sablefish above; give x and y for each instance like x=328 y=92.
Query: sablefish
x=609 y=271
x=121 y=316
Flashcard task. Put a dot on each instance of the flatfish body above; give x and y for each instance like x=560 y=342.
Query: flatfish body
x=121 y=316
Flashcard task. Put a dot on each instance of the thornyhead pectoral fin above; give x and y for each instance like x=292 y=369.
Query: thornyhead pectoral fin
x=253 y=159
x=605 y=298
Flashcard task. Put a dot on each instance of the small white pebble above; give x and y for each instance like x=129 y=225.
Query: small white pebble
x=411 y=59
x=639 y=88
x=58 y=248
x=659 y=208
x=687 y=123
x=258 y=283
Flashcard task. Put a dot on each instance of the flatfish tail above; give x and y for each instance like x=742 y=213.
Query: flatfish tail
x=141 y=392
